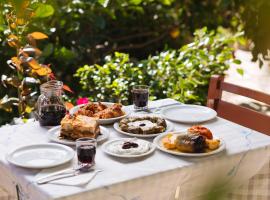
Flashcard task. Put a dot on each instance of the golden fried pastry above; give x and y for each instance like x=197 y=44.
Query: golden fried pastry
x=201 y=131
x=101 y=111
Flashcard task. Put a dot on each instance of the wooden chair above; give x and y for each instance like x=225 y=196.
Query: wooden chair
x=246 y=117
x=236 y=113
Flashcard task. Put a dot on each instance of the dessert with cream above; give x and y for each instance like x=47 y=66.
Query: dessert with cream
x=143 y=125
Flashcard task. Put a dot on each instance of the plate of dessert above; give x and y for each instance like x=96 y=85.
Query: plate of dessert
x=128 y=147
x=77 y=126
x=188 y=113
x=197 y=141
x=104 y=112
x=143 y=126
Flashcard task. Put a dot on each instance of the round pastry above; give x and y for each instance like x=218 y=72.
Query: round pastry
x=201 y=131
x=143 y=125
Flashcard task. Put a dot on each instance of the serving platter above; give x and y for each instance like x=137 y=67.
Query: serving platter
x=188 y=113
x=158 y=142
x=40 y=156
x=54 y=134
x=169 y=128
x=103 y=121
x=110 y=142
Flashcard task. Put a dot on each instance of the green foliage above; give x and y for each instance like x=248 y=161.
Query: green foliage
x=44 y=10
x=181 y=74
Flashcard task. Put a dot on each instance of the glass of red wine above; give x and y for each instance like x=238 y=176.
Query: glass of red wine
x=86 y=152
x=140 y=95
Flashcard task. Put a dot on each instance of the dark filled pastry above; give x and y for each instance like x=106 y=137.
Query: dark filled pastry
x=143 y=125
x=190 y=143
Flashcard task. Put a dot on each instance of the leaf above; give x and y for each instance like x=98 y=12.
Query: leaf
x=136 y=2
x=68 y=105
x=38 y=35
x=34 y=64
x=43 y=71
x=13 y=41
x=104 y=3
x=236 y=61
x=67 y=88
x=6 y=103
x=13 y=80
x=240 y=71
x=44 y=10
x=28 y=109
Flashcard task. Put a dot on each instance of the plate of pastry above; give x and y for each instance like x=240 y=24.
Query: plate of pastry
x=128 y=147
x=197 y=141
x=143 y=126
x=188 y=113
x=77 y=126
x=104 y=112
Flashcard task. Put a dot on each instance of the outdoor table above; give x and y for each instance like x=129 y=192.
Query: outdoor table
x=154 y=177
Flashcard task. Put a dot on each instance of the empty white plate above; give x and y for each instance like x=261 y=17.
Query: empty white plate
x=188 y=113
x=54 y=134
x=40 y=156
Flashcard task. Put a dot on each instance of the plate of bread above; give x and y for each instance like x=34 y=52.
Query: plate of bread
x=104 y=112
x=197 y=141
x=77 y=126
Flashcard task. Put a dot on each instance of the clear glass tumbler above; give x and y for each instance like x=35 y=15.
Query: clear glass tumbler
x=86 y=152
x=140 y=95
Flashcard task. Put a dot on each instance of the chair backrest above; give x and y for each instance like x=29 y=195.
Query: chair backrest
x=241 y=115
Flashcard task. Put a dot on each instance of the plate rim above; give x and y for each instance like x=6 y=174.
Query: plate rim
x=103 y=147
x=188 y=121
x=116 y=127
x=51 y=131
x=197 y=155
x=109 y=120
x=68 y=149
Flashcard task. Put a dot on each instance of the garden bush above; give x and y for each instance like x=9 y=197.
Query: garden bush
x=181 y=74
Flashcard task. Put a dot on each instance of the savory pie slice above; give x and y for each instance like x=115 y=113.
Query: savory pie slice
x=79 y=126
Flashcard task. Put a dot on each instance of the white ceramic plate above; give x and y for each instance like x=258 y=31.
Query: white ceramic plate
x=168 y=129
x=157 y=141
x=54 y=134
x=103 y=121
x=188 y=113
x=40 y=156
x=106 y=144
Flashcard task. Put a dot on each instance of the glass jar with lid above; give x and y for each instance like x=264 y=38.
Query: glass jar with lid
x=50 y=106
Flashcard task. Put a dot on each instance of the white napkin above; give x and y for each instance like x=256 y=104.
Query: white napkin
x=79 y=180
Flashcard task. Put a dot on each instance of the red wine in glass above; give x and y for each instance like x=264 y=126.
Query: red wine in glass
x=140 y=94
x=86 y=152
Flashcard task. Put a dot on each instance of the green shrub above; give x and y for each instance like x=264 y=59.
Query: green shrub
x=180 y=74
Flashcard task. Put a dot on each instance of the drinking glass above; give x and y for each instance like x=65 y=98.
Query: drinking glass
x=86 y=151
x=140 y=95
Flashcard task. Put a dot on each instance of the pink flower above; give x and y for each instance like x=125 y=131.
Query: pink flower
x=82 y=100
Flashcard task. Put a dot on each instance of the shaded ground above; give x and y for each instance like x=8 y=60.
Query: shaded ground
x=254 y=78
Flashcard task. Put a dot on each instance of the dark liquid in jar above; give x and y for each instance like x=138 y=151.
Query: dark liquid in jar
x=51 y=115
x=140 y=97
x=86 y=155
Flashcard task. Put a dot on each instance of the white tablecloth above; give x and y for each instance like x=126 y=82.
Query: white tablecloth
x=154 y=177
